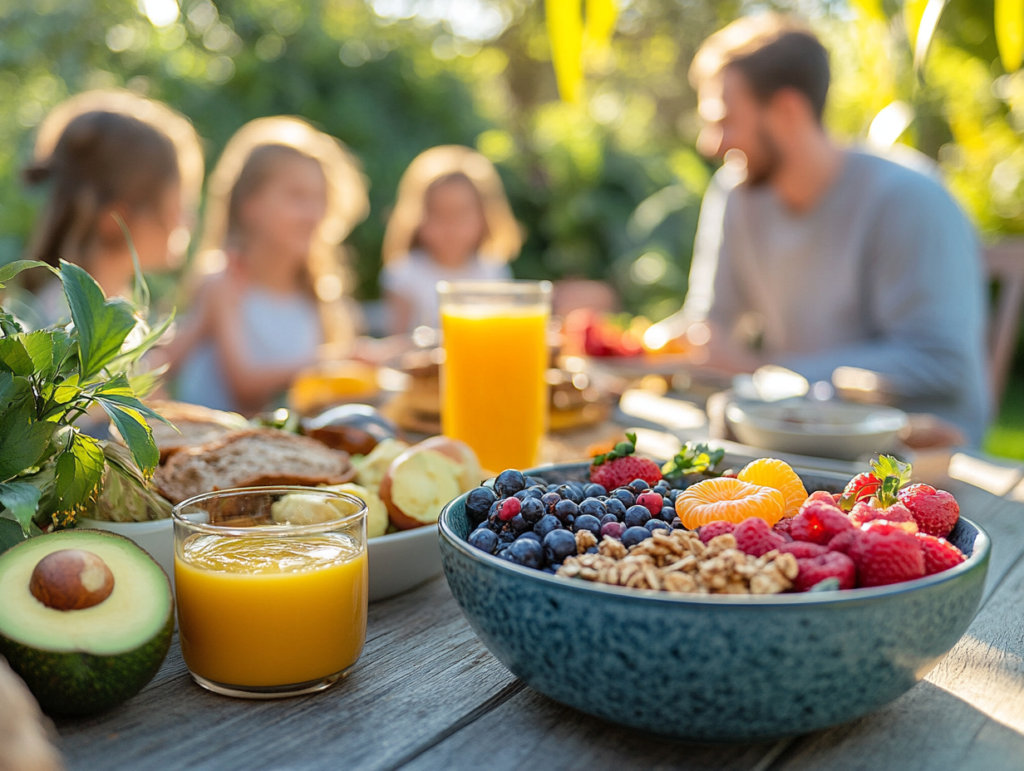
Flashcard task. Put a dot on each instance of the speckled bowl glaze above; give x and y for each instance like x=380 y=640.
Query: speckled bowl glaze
x=712 y=668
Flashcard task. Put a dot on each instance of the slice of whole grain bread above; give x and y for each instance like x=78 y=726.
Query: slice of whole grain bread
x=195 y=425
x=251 y=458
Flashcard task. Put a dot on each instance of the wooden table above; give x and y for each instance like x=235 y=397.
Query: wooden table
x=426 y=694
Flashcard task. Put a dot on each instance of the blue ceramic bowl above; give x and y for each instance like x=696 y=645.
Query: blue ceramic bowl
x=718 y=668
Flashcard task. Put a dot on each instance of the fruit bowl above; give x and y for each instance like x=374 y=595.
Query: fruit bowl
x=712 y=668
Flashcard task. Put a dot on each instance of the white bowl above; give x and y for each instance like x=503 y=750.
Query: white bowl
x=826 y=429
x=155 y=536
x=401 y=561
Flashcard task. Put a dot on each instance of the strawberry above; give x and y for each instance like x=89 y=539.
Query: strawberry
x=864 y=512
x=804 y=550
x=885 y=554
x=716 y=528
x=833 y=564
x=939 y=554
x=818 y=522
x=862 y=486
x=935 y=511
x=620 y=466
x=844 y=540
x=820 y=496
x=754 y=537
x=887 y=475
x=783 y=527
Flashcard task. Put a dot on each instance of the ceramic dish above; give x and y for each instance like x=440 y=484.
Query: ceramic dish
x=828 y=429
x=718 y=668
x=401 y=561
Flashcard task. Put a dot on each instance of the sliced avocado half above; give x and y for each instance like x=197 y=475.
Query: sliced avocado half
x=86 y=660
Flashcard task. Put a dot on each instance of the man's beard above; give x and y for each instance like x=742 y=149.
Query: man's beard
x=763 y=171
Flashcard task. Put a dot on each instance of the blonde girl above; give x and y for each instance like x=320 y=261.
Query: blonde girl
x=452 y=222
x=271 y=290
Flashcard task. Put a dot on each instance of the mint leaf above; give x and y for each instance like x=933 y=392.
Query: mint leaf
x=119 y=391
x=13 y=356
x=693 y=459
x=79 y=471
x=20 y=501
x=12 y=269
x=102 y=325
x=23 y=441
x=136 y=434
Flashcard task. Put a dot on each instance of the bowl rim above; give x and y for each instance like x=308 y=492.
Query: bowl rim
x=978 y=558
x=896 y=417
x=404 y=535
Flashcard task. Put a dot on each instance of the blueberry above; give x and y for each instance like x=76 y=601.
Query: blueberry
x=566 y=509
x=503 y=554
x=608 y=518
x=613 y=529
x=635 y=535
x=485 y=540
x=588 y=522
x=571 y=493
x=536 y=491
x=522 y=495
x=482 y=526
x=637 y=486
x=656 y=524
x=673 y=494
x=625 y=496
x=592 y=550
x=527 y=552
x=550 y=500
x=546 y=524
x=537 y=482
x=559 y=544
x=479 y=502
x=509 y=482
x=569 y=521
x=532 y=510
x=637 y=516
x=667 y=514
x=593 y=507
x=677 y=524
x=661 y=489
x=519 y=524
x=616 y=507
x=529 y=534
x=552 y=487
x=505 y=538
x=592 y=490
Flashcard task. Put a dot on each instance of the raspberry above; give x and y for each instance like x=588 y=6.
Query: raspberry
x=712 y=529
x=833 y=564
x=754 y=537
x=819 y=522
x=939 y=554
x=803 y=549
x=884 y=554
x=819 y=495
x=783 y=527
x=935 y=511
x=862 y=486
x=863 y=513
x=509 y=508
x=844 y=540
x=653 y=502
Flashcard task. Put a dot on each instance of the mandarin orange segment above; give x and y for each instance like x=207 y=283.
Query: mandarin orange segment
x=774 y=473
x=730 y=499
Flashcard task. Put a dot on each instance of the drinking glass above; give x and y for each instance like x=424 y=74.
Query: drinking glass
x=271 y=588
x=494 y=395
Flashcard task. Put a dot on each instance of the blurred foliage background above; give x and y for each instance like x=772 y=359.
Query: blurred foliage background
x=609 y=188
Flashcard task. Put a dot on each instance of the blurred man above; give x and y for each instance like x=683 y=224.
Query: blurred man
x=817 y=257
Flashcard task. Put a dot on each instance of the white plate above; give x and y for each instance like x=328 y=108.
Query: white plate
x=402 y=561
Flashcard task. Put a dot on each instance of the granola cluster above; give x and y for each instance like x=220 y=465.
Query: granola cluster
x=677 y=561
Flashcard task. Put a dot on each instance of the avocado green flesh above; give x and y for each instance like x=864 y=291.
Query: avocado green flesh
x=83 y=661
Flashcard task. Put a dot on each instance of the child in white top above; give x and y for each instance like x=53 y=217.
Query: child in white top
x=452 y=222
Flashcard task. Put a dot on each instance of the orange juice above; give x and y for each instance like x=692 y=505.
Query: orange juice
x=266 y=611
x=494 y=392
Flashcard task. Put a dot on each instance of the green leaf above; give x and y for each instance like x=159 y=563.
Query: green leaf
x=119 y=391
x=20 y=501
x=1010 y=33
x=102 y=325
x=145 y=383
x=36 y=353
x=12 y=269
x=150 y=339
x=136 y=434
x=141 y=293
x=11 y=533
x=23 y=441
x=79 y=471
x=13 y=389
x=13 y=356
x=693 y=459
x=8 y=324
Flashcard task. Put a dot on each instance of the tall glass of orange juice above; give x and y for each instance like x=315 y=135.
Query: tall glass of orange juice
x=494 y=395
x=271 y=589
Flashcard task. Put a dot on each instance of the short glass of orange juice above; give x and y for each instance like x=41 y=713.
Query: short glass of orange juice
x=271 y=589
x=494 y=394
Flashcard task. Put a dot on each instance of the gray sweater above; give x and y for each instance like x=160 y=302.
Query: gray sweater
x=883 y=274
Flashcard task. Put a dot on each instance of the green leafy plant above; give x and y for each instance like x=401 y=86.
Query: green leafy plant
x=694 y=458
x=50 y=470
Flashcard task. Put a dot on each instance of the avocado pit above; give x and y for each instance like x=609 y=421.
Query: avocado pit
x=71 y=579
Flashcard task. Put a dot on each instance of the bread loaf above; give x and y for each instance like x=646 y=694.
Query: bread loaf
x=195 y=425
x=251 y=458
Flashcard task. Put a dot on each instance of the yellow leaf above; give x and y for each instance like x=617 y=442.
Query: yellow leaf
x=565 y=32
x=869 y=9
x=1010 y=33
x=926 y=31
x=913 y=10
x=601 y=18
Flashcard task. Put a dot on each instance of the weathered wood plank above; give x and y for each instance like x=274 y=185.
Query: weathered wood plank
x=968 y=714
x=422 y=671
x=532 y=731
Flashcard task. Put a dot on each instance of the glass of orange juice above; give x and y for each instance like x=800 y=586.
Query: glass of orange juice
x=494 y=395
x=271 y=589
